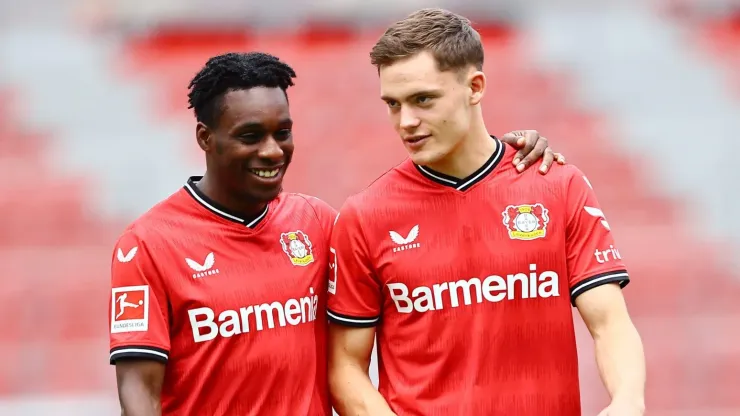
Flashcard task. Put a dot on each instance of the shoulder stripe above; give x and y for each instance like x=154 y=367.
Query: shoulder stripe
x=138 y=351
x=360 y=322
x=615 y=276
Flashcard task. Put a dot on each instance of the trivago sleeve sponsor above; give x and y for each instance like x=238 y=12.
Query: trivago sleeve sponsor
x=592 y=255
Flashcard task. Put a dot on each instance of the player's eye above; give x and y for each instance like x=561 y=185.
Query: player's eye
x=283 y=134
x=423 y=99
x=250 y=137
x=392 y=104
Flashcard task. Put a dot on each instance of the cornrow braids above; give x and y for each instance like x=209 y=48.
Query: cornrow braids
x=234 y=71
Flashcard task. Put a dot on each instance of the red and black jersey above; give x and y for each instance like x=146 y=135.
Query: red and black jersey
x=234 y=307
x=470 y=283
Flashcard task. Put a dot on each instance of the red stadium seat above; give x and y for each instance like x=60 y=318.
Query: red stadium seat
x=720 y=37
x=55 y=260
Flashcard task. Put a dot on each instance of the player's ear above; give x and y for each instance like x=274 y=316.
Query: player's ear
x=203 y=135
x=477 y=84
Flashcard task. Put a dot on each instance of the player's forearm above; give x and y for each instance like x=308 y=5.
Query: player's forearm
x=353 y=394
x=621 y=361
x=140 y=386
x=138 y=399
x=138 y=405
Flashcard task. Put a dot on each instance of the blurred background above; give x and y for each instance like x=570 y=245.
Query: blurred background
x=644 y=96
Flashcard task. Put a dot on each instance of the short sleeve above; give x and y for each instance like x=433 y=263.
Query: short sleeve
x=354 y=291
x=137 y=311
x=592 y=255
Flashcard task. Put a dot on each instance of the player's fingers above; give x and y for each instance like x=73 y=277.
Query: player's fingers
x=533 y=150
x=519 y=154
x=514 y=138
x=560 y=158
x=517 y=140
x=547 y=160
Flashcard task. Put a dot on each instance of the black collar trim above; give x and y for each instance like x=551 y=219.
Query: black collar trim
x=475 y=177
x=217 y=208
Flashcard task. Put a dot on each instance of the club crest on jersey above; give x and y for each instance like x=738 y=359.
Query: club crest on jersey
x=298 y=247
x=526 y=222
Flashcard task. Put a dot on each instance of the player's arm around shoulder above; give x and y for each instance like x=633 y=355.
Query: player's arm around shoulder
x=353 y=308
x=139 y=338
x=597 y=274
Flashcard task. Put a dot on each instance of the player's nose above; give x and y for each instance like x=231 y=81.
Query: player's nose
x=270 y=149
x=408 y=118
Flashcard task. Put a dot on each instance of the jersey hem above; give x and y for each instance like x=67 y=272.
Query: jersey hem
x=353 y=321
x=615 y=276
x=144 y=352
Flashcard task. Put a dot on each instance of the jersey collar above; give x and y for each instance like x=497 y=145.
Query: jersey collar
x=467 y=182
x=219 y=209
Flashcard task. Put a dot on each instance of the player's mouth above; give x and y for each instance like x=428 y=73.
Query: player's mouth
x=268 y=175
x=416 y=142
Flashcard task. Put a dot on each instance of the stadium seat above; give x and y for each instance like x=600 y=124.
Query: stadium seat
x=720 y=38
x=54 y=258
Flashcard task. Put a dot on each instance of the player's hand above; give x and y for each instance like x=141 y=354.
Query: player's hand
x=532 y=147
x=622 y=408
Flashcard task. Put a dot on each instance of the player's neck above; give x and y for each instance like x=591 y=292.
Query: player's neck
x=246 y=209
x=472 y=153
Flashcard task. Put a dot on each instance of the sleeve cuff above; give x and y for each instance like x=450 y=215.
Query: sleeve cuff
x=353 y=321
x=615 y=276
x=142 y=352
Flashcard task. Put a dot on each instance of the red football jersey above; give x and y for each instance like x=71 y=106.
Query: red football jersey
x=234 y=307
x=470 y=283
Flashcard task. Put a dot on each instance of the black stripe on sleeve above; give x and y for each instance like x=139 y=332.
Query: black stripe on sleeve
x=353 y=321
x=615 y=276
x=142 y=352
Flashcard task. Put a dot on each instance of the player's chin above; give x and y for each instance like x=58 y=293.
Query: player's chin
x=424 y=157
x=264 y=194
x=263 y=190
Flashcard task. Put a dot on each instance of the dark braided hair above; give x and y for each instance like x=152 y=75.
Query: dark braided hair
x=234 y=71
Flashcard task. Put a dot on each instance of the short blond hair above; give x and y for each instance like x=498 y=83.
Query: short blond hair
x=449 y=37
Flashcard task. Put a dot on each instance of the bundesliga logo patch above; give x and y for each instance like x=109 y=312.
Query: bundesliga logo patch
x=298 y=247
x=333 y=271
x=129 y=309
x=526 y=222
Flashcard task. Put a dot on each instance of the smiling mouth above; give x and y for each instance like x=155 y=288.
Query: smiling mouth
x=265 y=173
x=416 y=139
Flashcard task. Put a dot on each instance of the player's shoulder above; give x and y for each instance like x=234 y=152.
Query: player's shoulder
x=564 y=175
x=153 y=225
x=393 y=183
x=299 y=205
x=557 y=175
x=564 y=172
x=298 y=200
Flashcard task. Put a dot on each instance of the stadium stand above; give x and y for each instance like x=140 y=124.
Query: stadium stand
x=720 y=36
x=53 y=255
